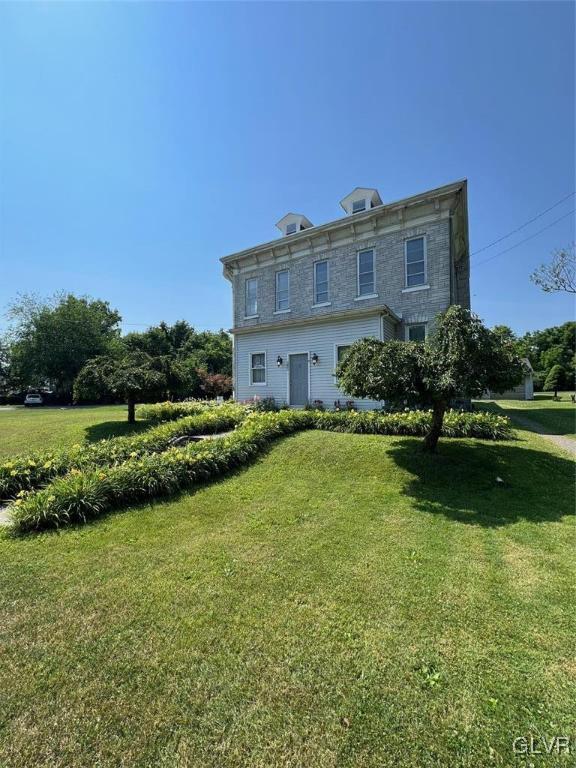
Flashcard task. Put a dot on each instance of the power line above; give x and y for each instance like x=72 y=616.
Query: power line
x=513 y=232
x=525 y=239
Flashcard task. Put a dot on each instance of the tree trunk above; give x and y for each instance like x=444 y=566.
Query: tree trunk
x=431 y=439
x=131 y=410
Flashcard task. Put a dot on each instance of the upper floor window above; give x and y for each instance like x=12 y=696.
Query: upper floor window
x=282 y=290
x=258 y=368
x=415 y=262
x=291 y=228
x=251 y=298
x=321 y=295
x=359 y=205
x=417 y=332
x=365 y=273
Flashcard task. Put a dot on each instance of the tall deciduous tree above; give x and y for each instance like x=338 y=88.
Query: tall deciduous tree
x=552 y=383
x=461 y=358
x=51 y=340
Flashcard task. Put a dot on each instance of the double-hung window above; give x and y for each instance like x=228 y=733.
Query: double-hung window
x=321 y=294
x=415 y=262
x=365 y=273
x=251 y=305
x=258 y=368
x=282 y=291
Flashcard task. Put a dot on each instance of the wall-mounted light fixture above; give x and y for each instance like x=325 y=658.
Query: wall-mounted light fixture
x=279 y=361
x=315 y=359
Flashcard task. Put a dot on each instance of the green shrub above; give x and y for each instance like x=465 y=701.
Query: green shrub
x=85 y=494
x=479 y=424
x=169 y=411
x=23 y=473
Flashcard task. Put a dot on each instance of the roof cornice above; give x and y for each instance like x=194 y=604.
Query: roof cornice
x=345 y=222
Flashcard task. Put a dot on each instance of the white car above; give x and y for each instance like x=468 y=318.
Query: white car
x=33 y=398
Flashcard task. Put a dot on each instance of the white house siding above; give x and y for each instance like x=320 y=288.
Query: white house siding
x=320 y=338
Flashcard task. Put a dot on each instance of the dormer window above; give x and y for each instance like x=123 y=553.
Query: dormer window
x=293 y=223
x=361 y=199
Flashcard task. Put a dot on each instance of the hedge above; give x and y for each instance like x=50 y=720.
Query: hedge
x=27 y=472
x=481 y=424
x=169 y=411
x=82 y=495
x=92 y=491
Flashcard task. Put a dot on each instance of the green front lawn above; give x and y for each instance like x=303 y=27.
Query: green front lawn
x=23 y=430
x=555 y=418
x=345 y=601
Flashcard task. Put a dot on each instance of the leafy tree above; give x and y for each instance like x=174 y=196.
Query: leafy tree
x=560 y=274
x=51 y=340
x=552 y=383
x=461 y=357
x=131 y=378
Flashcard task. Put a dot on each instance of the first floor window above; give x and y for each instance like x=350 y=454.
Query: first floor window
x=341 y=350
x=415 y=262
x=251 y=307
x=365 y=273
x=417 y=332
x=282 y=290
x=258 y=368
x=320 y=282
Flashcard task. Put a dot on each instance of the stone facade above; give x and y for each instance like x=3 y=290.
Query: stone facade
x=415 y=305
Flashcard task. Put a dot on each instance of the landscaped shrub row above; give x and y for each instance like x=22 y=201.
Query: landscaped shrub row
x=82 y=495
x=92 y=491
x=23 y=473
x=479 y=424
x=171 y=411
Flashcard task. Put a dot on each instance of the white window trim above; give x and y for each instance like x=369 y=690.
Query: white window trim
x=411 y=325
x=246 y=281
x=281 y=311
x=365 y=295
x=423 y=285
x=251 y=317
x=288 y=356
x=258 y=383
x=279 y=272
x=314 y=265
x=323 y=304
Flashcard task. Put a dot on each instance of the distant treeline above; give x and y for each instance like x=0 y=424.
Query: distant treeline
x=50 y=341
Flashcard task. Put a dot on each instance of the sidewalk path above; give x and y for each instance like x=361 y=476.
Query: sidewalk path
x=565 y=443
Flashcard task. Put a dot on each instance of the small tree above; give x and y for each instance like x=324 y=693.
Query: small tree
x=552 y=383
x=559 y=274
x=131 y=378
x=461 y=358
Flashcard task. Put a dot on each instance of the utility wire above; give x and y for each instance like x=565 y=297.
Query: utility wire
x=513 y=232
x=570 y=213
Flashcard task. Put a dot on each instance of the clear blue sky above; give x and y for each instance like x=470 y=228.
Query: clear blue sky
x=142 y=141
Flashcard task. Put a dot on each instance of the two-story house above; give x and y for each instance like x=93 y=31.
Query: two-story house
x=383 y=270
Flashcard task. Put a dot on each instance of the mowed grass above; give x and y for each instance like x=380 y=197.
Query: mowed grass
x=554 y=418
x=23 y=430
x=345 y=601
